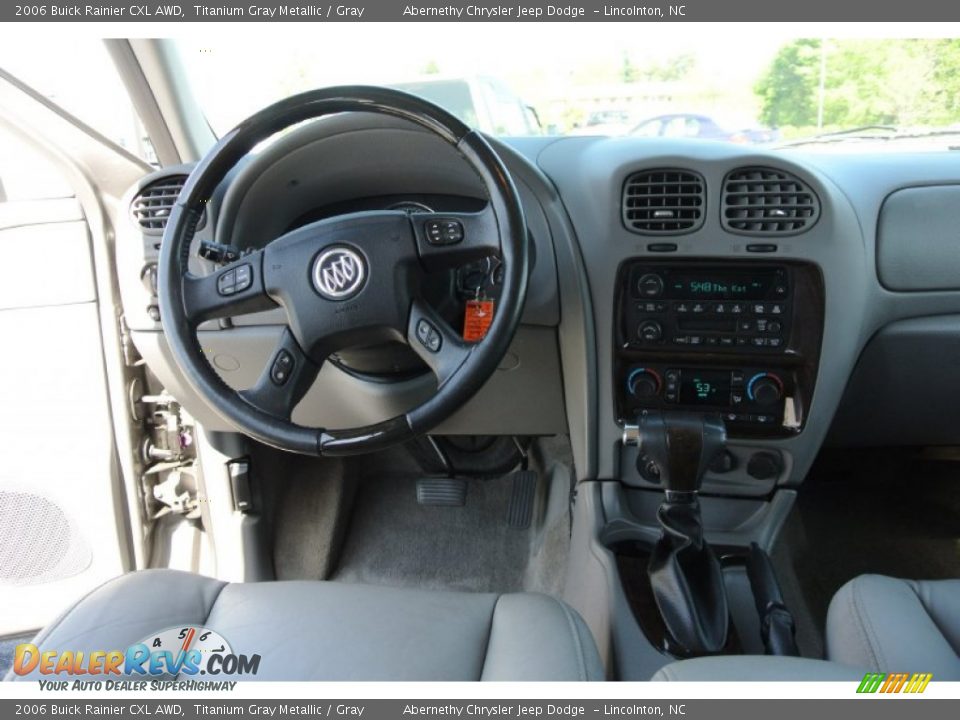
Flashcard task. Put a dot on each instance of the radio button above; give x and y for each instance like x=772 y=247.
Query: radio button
x=746 y=325
x=652 y=307
x=774 y=326
x=720 y=308
x=776 y=309
x=650 y=285
x=758 y=309
x=694 y=340
x=712 y=340
x=650 y=331
x=726 y=341
x=699 y=308
x=736 y=309
x=681 y=307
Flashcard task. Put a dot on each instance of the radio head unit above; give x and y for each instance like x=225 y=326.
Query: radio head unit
x=713 y=308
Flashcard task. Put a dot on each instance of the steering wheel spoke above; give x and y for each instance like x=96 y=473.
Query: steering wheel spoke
x=285 y=380
x=236 y=289
x=449 y=240
x=432 y=338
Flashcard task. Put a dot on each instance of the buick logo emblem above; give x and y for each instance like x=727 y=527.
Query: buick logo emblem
x=339 y=273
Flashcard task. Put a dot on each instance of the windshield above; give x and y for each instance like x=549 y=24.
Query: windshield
x=745 y=87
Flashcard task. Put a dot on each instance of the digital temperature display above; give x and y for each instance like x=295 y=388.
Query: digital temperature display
x=705 y=388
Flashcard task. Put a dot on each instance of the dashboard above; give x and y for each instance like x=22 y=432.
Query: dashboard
x=774 y=288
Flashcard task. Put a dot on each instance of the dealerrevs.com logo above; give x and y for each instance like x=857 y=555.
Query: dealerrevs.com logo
x=176 y=652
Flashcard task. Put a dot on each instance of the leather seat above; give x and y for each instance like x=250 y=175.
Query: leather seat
x=337 y=631
x=889 y=625
x=874 y=624
x=756 y=668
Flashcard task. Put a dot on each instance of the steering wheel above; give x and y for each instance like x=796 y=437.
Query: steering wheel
x=344 y=281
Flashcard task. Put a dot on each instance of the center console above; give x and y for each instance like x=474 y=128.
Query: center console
x=734 y=337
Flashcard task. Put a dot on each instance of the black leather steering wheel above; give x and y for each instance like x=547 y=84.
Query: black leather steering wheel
x=344 y=281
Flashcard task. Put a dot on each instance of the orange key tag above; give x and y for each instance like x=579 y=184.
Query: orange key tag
x=477 y=319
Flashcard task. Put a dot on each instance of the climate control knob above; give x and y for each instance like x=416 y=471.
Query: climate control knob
x=650 y=285
x=765 y=389
x=643 y=383
x=650 y=331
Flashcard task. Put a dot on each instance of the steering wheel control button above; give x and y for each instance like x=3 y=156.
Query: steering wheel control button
x=339 y=272
x=281 y=368
x=428 y=336
x=244 y=278
x=444 y=232
x=227 y=282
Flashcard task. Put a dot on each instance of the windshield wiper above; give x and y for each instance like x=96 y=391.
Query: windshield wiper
x=862 y=133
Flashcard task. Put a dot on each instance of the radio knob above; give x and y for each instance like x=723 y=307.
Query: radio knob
x=643 y=383
x=765 y=389
x=650 y=285
x=650 y=331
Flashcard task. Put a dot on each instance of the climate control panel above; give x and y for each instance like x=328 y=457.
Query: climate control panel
x=751 y=396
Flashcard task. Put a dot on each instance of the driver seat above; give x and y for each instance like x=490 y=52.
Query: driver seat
x=313 y=630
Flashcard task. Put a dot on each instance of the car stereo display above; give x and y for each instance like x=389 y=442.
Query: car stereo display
x=720 y=286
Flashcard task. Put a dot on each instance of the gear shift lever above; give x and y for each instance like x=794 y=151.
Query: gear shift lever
x=685 y=574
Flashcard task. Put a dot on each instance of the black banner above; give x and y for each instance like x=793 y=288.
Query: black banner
x=484 y=11
x=200 y=709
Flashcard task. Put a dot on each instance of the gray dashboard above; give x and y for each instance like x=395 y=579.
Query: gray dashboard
x=558 y=375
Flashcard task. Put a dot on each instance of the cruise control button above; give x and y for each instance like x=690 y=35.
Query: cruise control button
x=282 y=367
x=428 y=336
x=244 y=277
x=227 y=283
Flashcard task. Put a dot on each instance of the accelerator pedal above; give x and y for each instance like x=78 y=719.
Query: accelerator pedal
x=443 y=492
x=520 y=512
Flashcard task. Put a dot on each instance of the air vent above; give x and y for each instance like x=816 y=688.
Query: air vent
x=151 y=207
x=663 y=202
x=766 y=201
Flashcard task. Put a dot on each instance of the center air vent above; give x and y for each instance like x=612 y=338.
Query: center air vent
x=663 y=202
x=151 y=207
x=766 y=201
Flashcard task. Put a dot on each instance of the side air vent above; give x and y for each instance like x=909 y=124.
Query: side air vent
x=663 y=202
x=766 y=201
x=151 y=206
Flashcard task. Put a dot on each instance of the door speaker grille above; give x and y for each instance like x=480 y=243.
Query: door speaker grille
x=39 y=543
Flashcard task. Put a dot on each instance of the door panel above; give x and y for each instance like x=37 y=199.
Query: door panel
x=59 y=507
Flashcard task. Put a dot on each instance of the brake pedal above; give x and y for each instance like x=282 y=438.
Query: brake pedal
x=520 y=512
x=443 y=492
